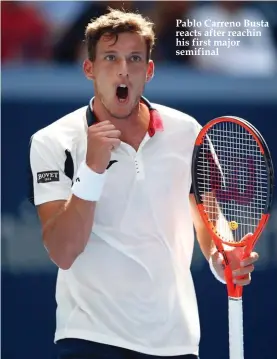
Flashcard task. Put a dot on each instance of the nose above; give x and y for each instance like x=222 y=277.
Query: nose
x=123 y=69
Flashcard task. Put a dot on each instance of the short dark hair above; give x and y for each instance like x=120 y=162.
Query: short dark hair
x=116 y=22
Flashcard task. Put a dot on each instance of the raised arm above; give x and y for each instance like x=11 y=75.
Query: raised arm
x=67 y=212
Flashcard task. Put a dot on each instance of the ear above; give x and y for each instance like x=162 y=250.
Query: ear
x=150 y=71
x=88 y=68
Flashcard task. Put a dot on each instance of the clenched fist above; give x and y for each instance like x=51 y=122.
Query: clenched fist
x=102 y=138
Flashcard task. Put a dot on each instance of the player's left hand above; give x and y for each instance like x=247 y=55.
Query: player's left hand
x=241 y=269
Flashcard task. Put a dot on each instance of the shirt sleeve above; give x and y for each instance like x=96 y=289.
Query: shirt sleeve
x=47 y=179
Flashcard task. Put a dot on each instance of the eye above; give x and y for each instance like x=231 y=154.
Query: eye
x=110 y=57
x=135 y=58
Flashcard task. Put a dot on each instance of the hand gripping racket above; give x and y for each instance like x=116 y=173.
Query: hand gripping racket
x=232 y=177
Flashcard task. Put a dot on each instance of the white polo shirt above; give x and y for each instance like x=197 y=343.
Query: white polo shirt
x=132 y=286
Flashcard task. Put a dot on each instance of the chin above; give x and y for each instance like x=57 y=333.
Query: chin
x=121 y=111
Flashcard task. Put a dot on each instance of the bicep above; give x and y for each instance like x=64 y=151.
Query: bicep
x=48 y=211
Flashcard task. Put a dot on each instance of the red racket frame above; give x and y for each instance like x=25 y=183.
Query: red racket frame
x=234 y=290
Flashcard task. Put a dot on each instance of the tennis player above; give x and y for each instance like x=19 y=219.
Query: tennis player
x=111 y=183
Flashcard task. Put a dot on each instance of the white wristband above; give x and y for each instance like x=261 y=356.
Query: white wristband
x=212 y=268
x=88 y=184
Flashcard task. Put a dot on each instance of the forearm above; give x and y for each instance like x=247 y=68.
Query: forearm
x=219 y=222
x=65 y=236
x=202 y=234
x=205 y=241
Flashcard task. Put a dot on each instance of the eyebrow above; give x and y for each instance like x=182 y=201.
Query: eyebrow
x=115 y=52
x=109 y=52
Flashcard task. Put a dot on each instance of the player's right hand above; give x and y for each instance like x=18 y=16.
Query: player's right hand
x=102 y=138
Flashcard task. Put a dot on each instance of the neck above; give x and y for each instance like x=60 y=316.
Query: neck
x=138 y=118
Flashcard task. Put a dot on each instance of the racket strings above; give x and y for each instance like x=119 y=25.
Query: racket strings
x=232 y=179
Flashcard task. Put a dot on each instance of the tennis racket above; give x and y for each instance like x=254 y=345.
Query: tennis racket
x=232 y=178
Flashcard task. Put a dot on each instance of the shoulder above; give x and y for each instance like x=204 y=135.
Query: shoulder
x=176 y=120
x=64 y=129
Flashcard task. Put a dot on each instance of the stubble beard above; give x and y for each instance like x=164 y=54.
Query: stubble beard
x=113 y=115
x=122 y=117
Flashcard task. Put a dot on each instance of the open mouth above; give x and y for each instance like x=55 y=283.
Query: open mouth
x=122 y=93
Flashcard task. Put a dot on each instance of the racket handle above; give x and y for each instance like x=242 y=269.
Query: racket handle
x=235 y=328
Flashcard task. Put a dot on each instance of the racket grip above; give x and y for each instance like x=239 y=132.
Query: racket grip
x=235 y=328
